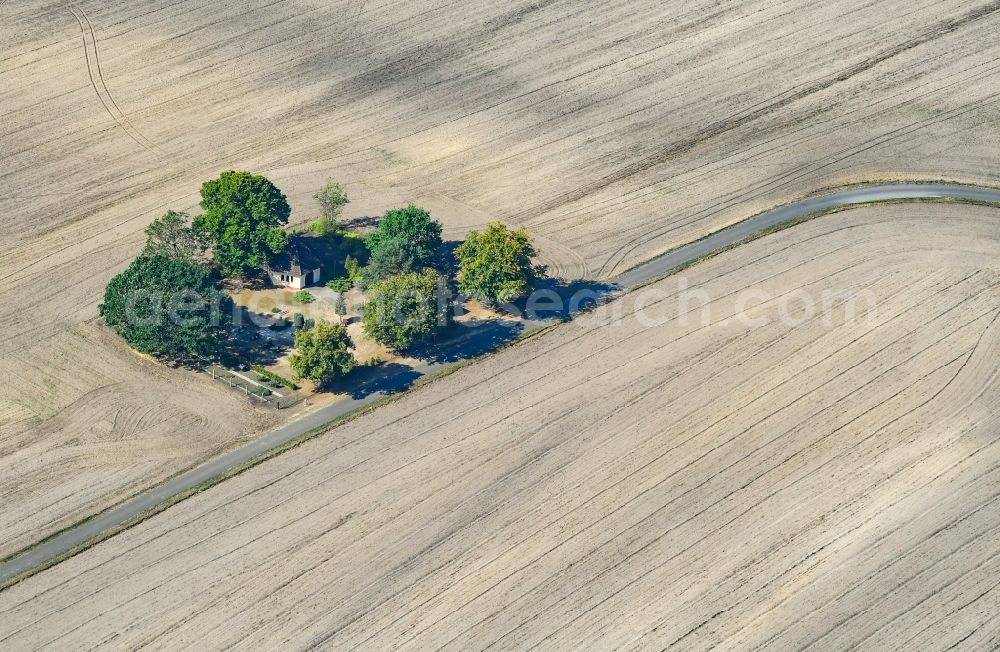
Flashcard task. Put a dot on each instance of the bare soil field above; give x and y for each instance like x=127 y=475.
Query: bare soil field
x=85 y=421
x=807 y=480
x=612 y=131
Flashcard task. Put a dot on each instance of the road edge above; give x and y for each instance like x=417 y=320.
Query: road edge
x=233 y=471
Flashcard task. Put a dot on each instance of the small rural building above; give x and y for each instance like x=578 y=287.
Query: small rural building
x=298 y=266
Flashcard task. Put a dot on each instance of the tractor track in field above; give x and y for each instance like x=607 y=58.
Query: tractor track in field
x=93 y=58
x=112 y=520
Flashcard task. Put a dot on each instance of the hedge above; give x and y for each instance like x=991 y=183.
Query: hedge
x=270 y=375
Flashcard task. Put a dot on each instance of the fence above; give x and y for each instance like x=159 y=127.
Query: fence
x=258 y=391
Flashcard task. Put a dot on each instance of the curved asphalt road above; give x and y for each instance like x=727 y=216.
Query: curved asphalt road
x=99 y=526
x=747 y=228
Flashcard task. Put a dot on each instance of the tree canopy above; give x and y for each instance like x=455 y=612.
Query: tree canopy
x=393 y=256
x=323 y=353
x=406 y=308
x=332 y=199
x=411 y=228
x=494 y=266
x=173 y=236
x=243 y=214
x=167 y=307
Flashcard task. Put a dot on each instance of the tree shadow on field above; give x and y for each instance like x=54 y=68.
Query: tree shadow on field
x=362 y=223
x=556 y=298
x=385 y=378
x=468 y=339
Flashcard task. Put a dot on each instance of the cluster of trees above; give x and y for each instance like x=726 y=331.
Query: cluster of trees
x=169 y=302
x=407 y=294
x=410 y=283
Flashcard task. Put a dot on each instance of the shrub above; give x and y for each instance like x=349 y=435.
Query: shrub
x=303 y=296
x=228 y=359
x=322 y=227
x=351 y=250
x=342 y=284
x=297 y=320
x=273 y=377
x=352 y=268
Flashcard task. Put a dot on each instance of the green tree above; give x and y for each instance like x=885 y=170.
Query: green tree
x=411 y=228
x=323 y=353
x=494 y=266
x=393 y=256
x=167 y=307
x=332 y=199
x=243 y=214
x=352 y=269
x=173 y=236
x=406 y=308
